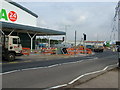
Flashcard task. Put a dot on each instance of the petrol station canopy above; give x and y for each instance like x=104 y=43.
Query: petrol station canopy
x=14 y=16
x=6 y=26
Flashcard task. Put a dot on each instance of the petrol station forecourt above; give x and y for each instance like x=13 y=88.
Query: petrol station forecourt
x=42 y=70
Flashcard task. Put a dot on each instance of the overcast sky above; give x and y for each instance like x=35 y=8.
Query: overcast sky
x=92 y=18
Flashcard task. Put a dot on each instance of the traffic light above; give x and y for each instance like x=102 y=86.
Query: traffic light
x=63 y=38
x=84 y=36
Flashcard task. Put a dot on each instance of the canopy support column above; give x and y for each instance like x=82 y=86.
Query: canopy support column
x=2 y=32
x=11 y=32
x=31 y=37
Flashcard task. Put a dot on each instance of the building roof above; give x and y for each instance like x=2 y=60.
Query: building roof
x=21 y=7
x=6 y=26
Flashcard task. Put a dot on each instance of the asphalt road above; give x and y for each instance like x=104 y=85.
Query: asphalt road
x=35 y=61
x=57 y=75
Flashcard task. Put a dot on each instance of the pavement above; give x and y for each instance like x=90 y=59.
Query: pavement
x=109 y=79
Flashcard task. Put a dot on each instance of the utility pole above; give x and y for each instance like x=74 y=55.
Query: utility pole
x=75 y=38
x=49 y=42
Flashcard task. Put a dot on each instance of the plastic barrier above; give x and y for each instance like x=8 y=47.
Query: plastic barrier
x=70 y=51
x=48 y=50
x=73 y=51
x=26 y=51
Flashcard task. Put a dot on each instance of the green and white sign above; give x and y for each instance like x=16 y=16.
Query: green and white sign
x=12 y=16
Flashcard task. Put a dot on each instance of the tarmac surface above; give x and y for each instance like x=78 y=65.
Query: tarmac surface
x=36 y=60
x=61 y=72
x=31 y=61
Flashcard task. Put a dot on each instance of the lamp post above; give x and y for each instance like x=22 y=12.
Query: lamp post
x=49 y=42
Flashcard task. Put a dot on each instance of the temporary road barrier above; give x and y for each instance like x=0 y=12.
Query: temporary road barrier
x=48 y=50
x=73 y=51
x=26 y=51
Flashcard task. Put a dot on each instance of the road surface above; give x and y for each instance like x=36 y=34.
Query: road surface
x=35 y=62
x=56 y=75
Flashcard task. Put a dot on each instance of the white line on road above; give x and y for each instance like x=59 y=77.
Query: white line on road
x=46 y=66
x=9 y=72
x=39 y=67
x=58 y=86
x=90 y=74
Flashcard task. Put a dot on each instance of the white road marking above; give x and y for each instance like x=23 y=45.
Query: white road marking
x=90 y=74
x=58 y=86
x=53 y=65
x=45 y=67
x=39 y=67
x=9 y=72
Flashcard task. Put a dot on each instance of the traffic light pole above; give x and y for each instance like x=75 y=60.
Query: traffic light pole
x=85 y=47
x=84 y=43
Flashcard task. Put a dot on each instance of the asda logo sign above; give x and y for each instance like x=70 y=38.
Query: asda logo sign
x=12 y=16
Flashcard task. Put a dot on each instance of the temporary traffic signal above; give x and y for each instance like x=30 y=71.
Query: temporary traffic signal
x=84 y=36
x=63 y=38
